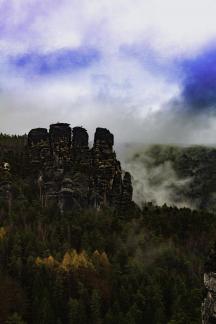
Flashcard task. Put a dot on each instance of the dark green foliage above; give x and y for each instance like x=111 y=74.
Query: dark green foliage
x=156 y=262
x=15 y=319
x=156 y=265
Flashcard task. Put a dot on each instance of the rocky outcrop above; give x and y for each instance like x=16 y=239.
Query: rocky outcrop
x=127 y=192
x=209 y=304
x=60 y=144
x=74 y=176
x=105 y=165
x=5 y=186
x=39 y=152
x=80 y=149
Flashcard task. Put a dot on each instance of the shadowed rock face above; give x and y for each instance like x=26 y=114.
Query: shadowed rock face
x=127 y=191
x=74 y=176
x=80 y=149
x=80 y=137
x=37 y=135
x=60 y=143
x=38 y=143
x=104 y=137
x=105 y=164
x=209 y=304
x=5 y=186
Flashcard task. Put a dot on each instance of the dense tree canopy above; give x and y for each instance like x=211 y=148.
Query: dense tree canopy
x=99 y=266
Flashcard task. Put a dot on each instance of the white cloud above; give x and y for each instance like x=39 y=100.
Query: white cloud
x=119 y=91
x=171 y=26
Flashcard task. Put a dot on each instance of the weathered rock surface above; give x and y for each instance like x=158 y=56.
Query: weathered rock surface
x=74 y=176
x=209 y=304
x=5 y=186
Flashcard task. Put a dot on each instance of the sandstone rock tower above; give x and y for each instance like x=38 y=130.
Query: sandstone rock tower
x=209 y=304
x=74 y=176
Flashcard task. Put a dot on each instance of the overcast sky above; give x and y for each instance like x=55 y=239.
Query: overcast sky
x=145 y=69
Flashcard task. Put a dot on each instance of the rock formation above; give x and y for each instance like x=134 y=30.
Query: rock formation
x=209 y=304
x=74 y=176
x=5 y=185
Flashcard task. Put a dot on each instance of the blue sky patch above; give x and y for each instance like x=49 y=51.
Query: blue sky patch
x=199 y=81
x=61 y=61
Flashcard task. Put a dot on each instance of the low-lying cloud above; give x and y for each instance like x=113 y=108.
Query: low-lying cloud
x=158 y=184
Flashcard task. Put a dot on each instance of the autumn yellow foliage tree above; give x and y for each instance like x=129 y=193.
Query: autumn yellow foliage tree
x=3 y=233
x=49 y=261
x=73 y=259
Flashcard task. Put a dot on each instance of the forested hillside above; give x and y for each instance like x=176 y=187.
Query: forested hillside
x=96 y=266
x=182 y=176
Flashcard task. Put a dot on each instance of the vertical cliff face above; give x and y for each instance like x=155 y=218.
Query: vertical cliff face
x=104 y=164
x=71 y=174
x=209 y=304
x=60 y=143
x=127 y=191
x=5 y=186
x=39 y=147
x=80 y=149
